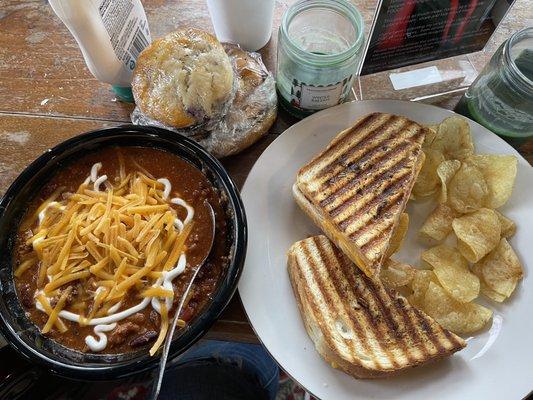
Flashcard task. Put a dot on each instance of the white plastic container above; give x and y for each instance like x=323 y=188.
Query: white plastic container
x=111 y=34
x=247 y=23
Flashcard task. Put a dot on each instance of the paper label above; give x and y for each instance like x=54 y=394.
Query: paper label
x=126 y=25
x=417 y=77
x=317 y=97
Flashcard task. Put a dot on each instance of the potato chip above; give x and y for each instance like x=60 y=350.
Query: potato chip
x=451 y=270
x=438 y=224
x=396 y=274
x=499 y=172
x=452 y=315
x=453 y=139
x=484 y=288
x=420 y=284
x=477 y=233
x=430 y=136
x=446 y=171
x=428 y=181
x=421 y=279
x=502 y=269
x=398 y=235
x=508 y=227
x=441 y=254
x=467 y=190
x=405 y=291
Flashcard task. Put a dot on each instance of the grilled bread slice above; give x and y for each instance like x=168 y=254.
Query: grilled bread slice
x=359 y=185
x=357 y=324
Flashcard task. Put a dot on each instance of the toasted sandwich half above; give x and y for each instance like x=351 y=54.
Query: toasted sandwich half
x=357 y=324
x=357 y=188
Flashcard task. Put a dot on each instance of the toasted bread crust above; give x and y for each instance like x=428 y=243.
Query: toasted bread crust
x=361 y=182
x=357 y=324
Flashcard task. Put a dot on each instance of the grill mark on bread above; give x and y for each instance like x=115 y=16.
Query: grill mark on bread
x=369 y=169
x=327 y=296
x=353 y=316
x=343 y=140
x=412 y=330
x=394 y=147
x=370 y=163
x=410 y=337
x=382 y=165
x=377 y=136
x=354 y=277
x=425 y=328
x=384 y=301
x=384 y=235
x=401 y=330
x=451 y=337
x=311 y=299
x=355 y=323
x=383 y=210
x=387 y=201
x=431 y=334
x=390 y=175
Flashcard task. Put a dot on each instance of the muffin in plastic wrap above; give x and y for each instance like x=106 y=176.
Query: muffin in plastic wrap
x=224 y=100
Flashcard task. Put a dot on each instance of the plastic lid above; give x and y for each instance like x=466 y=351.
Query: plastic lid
x=124 y=93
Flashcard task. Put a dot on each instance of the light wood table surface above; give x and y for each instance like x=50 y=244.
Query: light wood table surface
x=47 y=94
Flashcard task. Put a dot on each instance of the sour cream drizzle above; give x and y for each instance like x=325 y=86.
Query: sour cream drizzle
x=166 y=282
x=190 y=211
x=100 y=343
x=98 y=182
x=109 y=322
x=168 y=187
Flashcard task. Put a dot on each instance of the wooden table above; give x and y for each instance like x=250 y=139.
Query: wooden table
x=47 y=94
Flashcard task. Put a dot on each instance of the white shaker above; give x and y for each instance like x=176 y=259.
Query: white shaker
x=244 y=22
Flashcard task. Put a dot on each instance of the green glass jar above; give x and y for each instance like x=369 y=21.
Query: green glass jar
x=501 y=98
x=319 y=49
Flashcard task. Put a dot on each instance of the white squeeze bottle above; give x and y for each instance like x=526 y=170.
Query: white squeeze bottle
x=111 y=34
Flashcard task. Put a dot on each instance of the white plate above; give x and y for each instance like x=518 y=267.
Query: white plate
x=497 y=364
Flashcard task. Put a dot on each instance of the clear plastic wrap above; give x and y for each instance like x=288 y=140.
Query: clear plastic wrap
x=249 y=115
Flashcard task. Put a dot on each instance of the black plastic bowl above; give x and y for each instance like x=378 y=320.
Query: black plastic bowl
x=25 y=337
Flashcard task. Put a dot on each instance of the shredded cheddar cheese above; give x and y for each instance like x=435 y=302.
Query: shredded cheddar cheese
x=111 y=239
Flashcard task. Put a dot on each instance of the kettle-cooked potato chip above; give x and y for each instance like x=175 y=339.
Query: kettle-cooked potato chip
x=396 y=274
x=507 y=225
x=428 y=181
x=441 y=254
x=446 y=171
x=501 y=269
x=453 y=139
x=477 y=233
x=430 y=136
x=451 y=270
x=420 y=284
x=452 y=315
x=468 y=190
x=438 y=224
x=398 y=235
x=499 y=172
x=484 y=288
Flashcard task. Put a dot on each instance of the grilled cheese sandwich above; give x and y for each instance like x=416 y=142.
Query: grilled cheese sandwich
x=357 y=188
x=357 y=324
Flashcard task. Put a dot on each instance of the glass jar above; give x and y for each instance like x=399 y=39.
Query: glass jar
x=319 y=46
x=501 y=98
